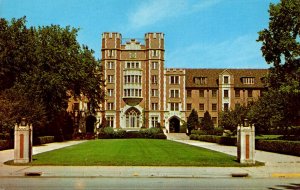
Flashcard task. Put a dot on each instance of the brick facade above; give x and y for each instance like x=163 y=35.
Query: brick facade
x=141 y=92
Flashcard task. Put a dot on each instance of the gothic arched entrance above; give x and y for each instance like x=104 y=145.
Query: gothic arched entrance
x=174 y=125
x=90 y=124
x=133 y=116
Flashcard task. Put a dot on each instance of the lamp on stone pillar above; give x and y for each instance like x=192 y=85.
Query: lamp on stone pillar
x=246 y=143
x=23 y=142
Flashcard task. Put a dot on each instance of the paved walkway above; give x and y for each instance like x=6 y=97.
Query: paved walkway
x=277 y=165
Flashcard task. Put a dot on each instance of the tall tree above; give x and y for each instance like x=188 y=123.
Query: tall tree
x=281 y=45
x=281 y=49
x=206 y=123
x=193 y=121
x=48 y=65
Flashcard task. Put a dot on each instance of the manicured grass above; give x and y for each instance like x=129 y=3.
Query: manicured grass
x=134 y=152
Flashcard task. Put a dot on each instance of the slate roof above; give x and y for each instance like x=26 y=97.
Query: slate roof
x=213 y=77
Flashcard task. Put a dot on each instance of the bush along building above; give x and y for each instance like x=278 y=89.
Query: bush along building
x=141 y=92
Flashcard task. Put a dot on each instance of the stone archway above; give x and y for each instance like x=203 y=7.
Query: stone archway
x=90 y=124
x=174 y=125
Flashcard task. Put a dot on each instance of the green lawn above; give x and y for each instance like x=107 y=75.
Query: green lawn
x=134 y=152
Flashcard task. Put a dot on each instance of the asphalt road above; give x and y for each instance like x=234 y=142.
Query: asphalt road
x=47 y=183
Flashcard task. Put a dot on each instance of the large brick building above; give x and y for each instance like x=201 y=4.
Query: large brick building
x=141 y=92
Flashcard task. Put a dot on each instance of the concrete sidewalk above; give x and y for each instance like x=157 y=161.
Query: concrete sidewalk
x=277 y=165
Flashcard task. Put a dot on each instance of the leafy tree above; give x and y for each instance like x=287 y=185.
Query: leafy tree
x=206 y=123
x=47 y=65
x=274 y=110
x=230 y=119
x=193 y=121
x=281 y=49
x=281 y=45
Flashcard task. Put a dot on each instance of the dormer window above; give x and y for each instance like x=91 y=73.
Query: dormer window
x=226 y=79
x=200 y=80
x=248 y=80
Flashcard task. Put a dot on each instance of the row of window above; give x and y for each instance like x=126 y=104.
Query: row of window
x=201 y=93
x=174 y=93
x=225 y=93
x=138 y=79
x=132 y=121
x=203 y=80
x=131 y=65
x=133 y=79
x=132 y=92
x=202 y=107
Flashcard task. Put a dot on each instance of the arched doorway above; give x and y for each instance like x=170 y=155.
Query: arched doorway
x=90 y=124
x=174 y=125
x=132 y=118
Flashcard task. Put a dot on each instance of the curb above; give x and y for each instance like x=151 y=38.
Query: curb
x=285 y=175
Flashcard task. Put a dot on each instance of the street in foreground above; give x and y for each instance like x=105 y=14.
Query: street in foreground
x=45 y=183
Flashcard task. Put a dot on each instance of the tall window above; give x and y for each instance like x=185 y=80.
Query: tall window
x=110 y=106
x=226 y=79
x=189 y=106
x=237 y=93
x=226 y=95
x=189 y=93
x=133 y=118
x=250 y=93
x=154 y=121
x=201 y=107
x=174 y=106
x=214 y=93
x=174 y=79
x=154 y=79
x=226 y=106
x=110 y=121
x=154 y=65
x=154 y=92
x=154 y=106
x=201 y=93
x=110 y=78
x=155 y=53
x=214 y=107
x=174 y=93
x=110 y=92
x=110 y=65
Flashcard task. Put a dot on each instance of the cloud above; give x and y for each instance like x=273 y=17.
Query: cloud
x=154 y=11
x=241 y=52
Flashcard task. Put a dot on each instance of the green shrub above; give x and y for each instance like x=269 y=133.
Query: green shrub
x=279 y=146
x=4 y=136
x=230 y=141
x=106 y=133
x=133 y=134
x=120 y=133
x=45 y=140
x=218 y=131
x=199 y=132
x=4 y=144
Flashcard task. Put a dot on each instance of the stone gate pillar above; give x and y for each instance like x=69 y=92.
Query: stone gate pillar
x=246 y=143
x=23 y=142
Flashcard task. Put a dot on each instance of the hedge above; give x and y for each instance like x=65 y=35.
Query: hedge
x=230 y=141
x=151 y=133
x=279 y=146
x=4 y=144
x=44 y=140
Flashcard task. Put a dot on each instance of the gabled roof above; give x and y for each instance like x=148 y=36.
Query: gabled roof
x=213 y=77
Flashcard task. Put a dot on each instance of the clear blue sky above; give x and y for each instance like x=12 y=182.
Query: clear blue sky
x=198 y=33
